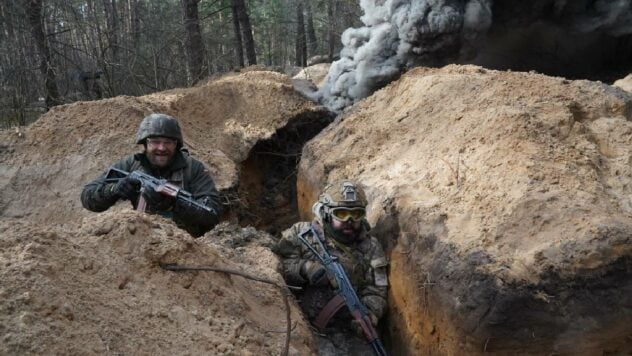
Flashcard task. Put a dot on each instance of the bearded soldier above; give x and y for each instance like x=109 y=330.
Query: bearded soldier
x=163 y=157
x=340 y=219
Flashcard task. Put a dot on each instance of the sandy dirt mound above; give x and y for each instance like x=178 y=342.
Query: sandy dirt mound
x=99 y=289
x=76 y=282
x=506 y=201
x=316 y=73
x=46 y=165
x=625 y=83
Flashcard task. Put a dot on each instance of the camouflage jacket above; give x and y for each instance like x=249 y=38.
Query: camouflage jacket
x=185 y=172
x=364 y=262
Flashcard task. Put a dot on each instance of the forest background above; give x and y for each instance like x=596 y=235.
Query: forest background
x=55 y=52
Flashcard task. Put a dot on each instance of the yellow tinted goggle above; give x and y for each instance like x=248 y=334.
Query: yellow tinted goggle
x=344 y=214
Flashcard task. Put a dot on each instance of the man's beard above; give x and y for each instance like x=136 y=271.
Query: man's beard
x=340 y=236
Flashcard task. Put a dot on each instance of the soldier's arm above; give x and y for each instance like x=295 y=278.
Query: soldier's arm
x=202 y=189
x=98 y=195
x=374 y=294
x=290 y=250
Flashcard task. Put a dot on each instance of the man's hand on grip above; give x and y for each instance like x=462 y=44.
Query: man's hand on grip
x=314 y=272
x=156 y=200
x=126 y=188
x=355 y=324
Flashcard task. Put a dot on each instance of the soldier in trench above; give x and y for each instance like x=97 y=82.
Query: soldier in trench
x=340 y=214
x=163 y=157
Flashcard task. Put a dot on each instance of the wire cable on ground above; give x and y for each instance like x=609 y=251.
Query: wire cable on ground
x=285 y=291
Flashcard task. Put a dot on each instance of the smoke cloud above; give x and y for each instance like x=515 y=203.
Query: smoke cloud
x=612 y=16
x=400 y=34
x=508 y=34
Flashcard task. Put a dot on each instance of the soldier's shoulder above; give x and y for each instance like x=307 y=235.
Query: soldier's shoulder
x=297 y=228
x=371 y=242
x=127 y=162
x=292 y=232
x=194 y=161
x=197 y=166
x=303 y=225
x=289 y=242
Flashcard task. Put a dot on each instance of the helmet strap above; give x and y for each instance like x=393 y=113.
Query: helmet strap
x=321 y=211
x=326 y=214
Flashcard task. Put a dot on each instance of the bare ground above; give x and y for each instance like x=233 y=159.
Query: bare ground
x=506 y=201
x=76 y=282
x=100 y=289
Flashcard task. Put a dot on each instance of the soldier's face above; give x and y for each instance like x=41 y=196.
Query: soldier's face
x=350 y=228
x=161 y=151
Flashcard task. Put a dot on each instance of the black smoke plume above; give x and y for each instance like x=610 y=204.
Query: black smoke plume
x=574 y=38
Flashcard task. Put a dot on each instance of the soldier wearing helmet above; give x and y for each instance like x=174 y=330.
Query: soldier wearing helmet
x=339 y=214
x=164 y=158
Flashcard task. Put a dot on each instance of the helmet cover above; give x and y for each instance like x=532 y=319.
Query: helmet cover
x=161 y=125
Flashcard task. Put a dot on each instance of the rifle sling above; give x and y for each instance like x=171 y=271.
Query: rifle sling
x=328 y=311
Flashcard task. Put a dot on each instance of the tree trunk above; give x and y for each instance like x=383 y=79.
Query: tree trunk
x=331 y=38
x=312 y=41
x=12 y=71
x=239 y=49
x=194 y=42
x=246 y=30
x=7 y=28
x=301 y=42
x=34 y=14
x=134 y=21
x=95 y=37
x=269 y=45
x=112 y=33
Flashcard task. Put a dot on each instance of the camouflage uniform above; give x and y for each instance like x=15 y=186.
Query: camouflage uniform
x=185 y=172
x=365 y=264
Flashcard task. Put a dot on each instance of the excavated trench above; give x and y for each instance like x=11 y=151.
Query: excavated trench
x=438 y=306
x=444 y=300
x=266 y=195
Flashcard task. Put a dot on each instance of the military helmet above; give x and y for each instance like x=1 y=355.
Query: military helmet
x=344 y=194
x=159 y=125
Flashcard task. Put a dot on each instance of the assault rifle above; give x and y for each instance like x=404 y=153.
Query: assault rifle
x=159 y=185
x=343 y=289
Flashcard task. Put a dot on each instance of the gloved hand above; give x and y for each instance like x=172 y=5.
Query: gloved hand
x=315 y=273
x=126 y=188
x=358 y=328
x=157 y=201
